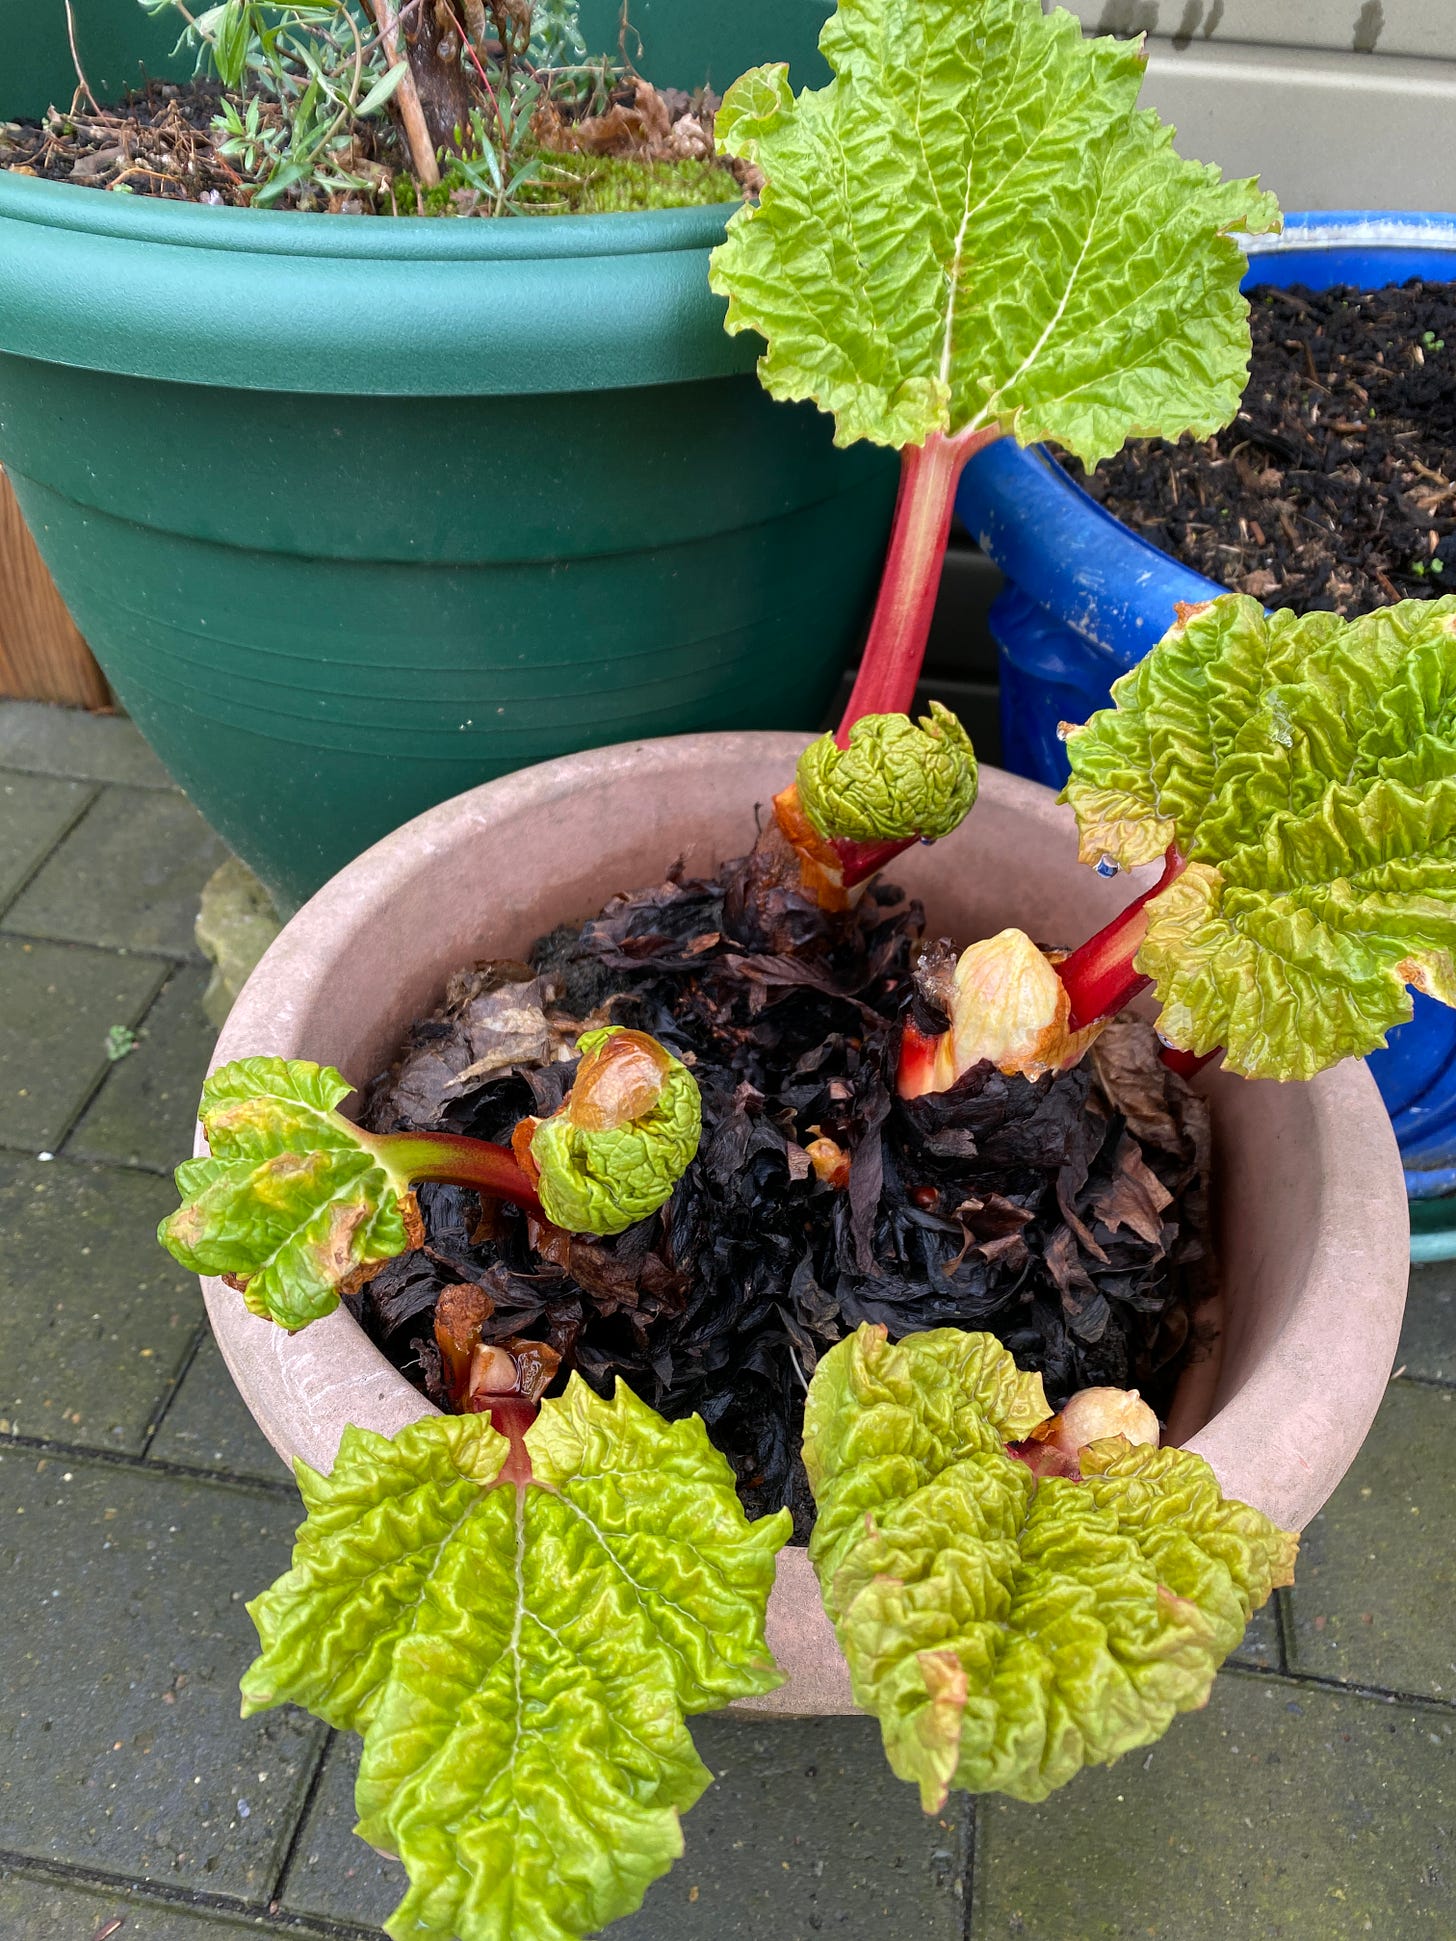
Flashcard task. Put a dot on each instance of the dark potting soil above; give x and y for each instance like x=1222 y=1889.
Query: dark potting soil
x=1068 y=1215
x=647 y=148
x=1335 y=487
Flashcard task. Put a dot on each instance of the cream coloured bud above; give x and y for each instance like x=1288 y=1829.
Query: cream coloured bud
x=1008 y=1006
x=1094 y=1413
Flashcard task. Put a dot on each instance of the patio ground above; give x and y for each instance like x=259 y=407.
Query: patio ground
x=1314 y=1800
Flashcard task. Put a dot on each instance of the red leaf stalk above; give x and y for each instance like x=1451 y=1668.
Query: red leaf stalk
x=1099 y=974
x=457 y=1161
x=895 y=650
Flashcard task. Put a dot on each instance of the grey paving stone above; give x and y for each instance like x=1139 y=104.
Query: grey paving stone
x=206 y=1425
x=804 y=1832
x=1427 y=1349
x=35 y=812
x=95 y=1319
x=146 y=1111
x=1280 y=1813
x=57 y=1003
x=49 y=1910
x=1374 y=1599
x=67 y=741
x=126 y=1634
x=332 y=1872
x=129 y=875
x=1261 y=1641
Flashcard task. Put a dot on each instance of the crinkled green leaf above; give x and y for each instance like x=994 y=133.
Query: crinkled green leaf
x=1005 y=1629
x=974 y=226
x=521 y=1660
x=294 y=1197
x=604 y=1181
x=1307 y=768
x=895 y=781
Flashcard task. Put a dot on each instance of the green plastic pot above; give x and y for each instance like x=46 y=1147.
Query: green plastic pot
x=357 y=513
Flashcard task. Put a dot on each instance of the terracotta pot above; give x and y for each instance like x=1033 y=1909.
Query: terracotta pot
x=1311 y=1202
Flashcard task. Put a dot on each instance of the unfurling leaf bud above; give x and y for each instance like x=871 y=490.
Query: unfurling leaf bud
x=625 y=1135
x=1008 y=1008
x=895 y=782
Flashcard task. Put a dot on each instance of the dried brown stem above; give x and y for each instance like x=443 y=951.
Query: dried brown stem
x=407 y=97
x=76 y=60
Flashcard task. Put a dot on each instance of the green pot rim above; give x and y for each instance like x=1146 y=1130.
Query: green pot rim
x=278 y=301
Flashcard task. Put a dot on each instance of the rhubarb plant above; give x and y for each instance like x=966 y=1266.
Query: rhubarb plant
x=973 y=232
x=1297 y=777
x=1007 y=1614
x=296 y=1202
x=519 y=1626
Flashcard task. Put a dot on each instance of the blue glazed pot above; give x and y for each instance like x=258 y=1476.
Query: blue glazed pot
x=1086 y=598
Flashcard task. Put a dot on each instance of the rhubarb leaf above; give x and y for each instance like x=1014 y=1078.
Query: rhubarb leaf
x=604 y=1178
x=521 y=1659
x=973 y=226
x=294 y=1198
x=1306 y=767
x=1007 y=1629
x=895 y=782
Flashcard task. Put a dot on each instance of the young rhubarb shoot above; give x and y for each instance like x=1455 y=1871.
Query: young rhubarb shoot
x=1008 y=1005
x=1011 y=1615
x=297 y=1203
x=973 y=232
x=851 y=809
x=1302 y=770
x=1297 y=776
x=520 y=1635
x=622 y=1139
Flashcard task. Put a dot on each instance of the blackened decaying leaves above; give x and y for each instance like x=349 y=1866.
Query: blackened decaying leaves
x=1067 y=1215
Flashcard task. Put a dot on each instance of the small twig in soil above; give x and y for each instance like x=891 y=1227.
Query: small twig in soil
x=407 y=95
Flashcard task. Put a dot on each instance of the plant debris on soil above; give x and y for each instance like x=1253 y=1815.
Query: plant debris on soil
x=650 y=148
x=1335 y=487
x=1067 y=1215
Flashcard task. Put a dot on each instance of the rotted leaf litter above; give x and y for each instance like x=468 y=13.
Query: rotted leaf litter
x=1067 y=1215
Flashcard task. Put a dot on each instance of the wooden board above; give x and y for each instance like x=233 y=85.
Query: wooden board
x=42 y=654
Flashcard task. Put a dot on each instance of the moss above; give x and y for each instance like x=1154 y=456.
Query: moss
x=604 y=185
x=584 y=185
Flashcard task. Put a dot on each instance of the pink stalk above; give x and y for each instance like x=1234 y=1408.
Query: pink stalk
x=1099 y=974
x=895 y=649
x=457 y=1161
x=1187 y=1063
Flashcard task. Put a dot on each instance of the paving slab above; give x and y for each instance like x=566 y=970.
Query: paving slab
x=1427 y=1349
x=129 y=875
x=206 y=1425
x=35 y=812
x=126 y=1634
x=50 y=1910
x=68 y=741
x=146 y=1111
x=1280 y=1813
x=1374 y=1597
x=95 y=1320
x=805 y=1831
x=333 y=1874
x=58 y=1003
x=1261 y=1646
